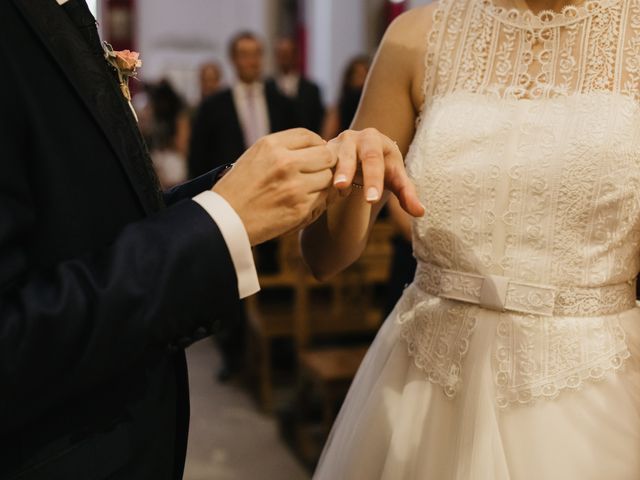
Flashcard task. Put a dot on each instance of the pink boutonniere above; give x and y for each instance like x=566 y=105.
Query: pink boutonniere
x=125 y=63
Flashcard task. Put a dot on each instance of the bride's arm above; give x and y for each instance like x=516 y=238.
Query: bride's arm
x=392 y=97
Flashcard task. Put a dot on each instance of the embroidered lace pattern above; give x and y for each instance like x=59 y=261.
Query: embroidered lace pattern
x=527 y=156
x=537 y=357
x=477 y=46
x=529 y=298
x=437 y=333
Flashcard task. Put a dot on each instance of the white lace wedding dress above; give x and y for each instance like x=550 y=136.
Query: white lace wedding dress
x=515 y=353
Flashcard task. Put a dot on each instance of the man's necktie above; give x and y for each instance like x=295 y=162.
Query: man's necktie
x=252 y=116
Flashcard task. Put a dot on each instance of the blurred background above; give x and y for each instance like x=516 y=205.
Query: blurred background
x=216 y=76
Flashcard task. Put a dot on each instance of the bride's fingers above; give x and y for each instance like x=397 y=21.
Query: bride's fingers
x=400 y=184
x=397 y=180
x=381 y=165
x=372 y=158
x=392 y=152
x=347 y=161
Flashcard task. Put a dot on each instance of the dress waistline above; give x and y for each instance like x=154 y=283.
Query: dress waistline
x=499 y=293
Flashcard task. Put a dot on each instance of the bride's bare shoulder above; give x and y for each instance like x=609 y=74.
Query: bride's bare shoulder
x=406 y=37
x=405 y=47
x=411 y=28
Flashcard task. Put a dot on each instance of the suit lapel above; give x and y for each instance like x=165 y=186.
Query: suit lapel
x=89 y=74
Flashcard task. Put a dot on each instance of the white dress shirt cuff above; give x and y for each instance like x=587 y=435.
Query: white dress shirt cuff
x=236 y=238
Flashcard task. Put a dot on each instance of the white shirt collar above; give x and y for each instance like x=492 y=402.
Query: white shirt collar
x=289 y=83
x=243 y=88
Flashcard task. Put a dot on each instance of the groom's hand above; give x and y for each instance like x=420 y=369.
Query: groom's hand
x=280 y=184
x=374 y=162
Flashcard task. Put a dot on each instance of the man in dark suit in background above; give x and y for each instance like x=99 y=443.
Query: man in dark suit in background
x=291 y=83
x=231 y=120
x=226 y=123
x=103 y=280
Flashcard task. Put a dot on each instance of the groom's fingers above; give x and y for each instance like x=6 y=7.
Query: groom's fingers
x=318 y=181
x=297 y=138
x=315 y=159
x=347 y=154
x=316 y=207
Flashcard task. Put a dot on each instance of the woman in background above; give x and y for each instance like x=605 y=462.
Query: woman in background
x=339 y=119
x=168 y=131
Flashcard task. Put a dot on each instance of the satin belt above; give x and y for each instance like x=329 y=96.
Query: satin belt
x=505 y=294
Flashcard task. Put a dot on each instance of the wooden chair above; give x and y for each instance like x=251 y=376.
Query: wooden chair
x=271 y=318
x=328 y=371
x=314 y=310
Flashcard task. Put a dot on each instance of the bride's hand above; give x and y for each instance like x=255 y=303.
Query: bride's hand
x=373 y=161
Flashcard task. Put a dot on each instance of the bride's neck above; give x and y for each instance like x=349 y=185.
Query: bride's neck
x=537 y=6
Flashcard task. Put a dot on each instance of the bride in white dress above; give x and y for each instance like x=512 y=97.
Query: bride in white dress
x=515 y=353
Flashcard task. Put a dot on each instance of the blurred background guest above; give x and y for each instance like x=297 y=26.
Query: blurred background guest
x=225 y=125
x=353 y=79
x=228 y=121
x=167 y=128
x=210 y=79
x=291 y=83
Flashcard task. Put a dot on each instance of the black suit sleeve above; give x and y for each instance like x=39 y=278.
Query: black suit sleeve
x=77 y=325
x=72 y=325
x=193 y=187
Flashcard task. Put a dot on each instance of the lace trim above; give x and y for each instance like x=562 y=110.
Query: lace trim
x=476 y=46
x=524 y=297
x=631 y=85
x=437 y=334
x=534 y=357
x=537 y=358
x=591 y=302
x=569 y=15
x=433 y=41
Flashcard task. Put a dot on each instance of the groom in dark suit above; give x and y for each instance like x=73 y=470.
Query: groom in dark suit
x=103 y=280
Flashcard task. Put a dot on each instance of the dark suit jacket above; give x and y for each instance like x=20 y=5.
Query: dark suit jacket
x=308 y=104
x=101 y=285
x=217 y=137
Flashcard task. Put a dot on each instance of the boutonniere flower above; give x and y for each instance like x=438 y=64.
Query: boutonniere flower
x=125 y=63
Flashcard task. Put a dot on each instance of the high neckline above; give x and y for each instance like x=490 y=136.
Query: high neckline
x=521 y=16
x=523 y=6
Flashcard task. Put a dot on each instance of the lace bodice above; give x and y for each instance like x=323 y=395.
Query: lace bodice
x=527 y=156
x=481 y=47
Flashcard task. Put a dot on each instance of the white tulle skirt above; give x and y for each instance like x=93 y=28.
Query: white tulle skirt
x=397 y=425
